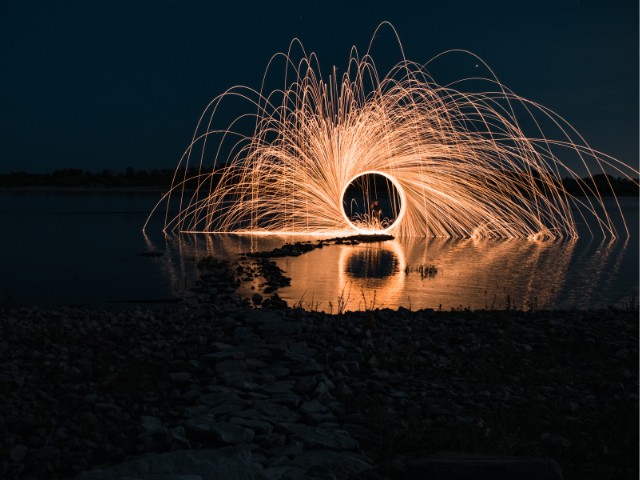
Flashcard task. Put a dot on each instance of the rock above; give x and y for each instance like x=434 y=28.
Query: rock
x=271 y=440
x=225 y=432
x=622 y=353
x=106 y=407
x=555 y=441
x=264 y=319
x=150 y=425
x=216 y=464
x=342 y=464
x=313 y=406
x=343 y=390
x=44 y=454
x=231 y=366
x=195 y=411
x=277 y=372
x=310 y=367
x=256 y=352
x=256 y=298
x=153 y=435
x=272 y=413
x=234 y=372
x=199 y=428
x=178 y=435
x=326 y=399
x=306 y=384
x=255 y=364
x=325 y=386
x=90 y=419
x=276 y=461
x=213 y=358
x=315 y=412
x=358 y=432
x=19 y=379
x=316 y=437
x=320 y=472
x=288 y=399
x=18 y=453
x=286 y=472
x=351 y=367
x=292 y=449
x=463 y=466
x=181 y=378
x=222 y=398
x=281 y=386
x=191 y=394
x=253 y=424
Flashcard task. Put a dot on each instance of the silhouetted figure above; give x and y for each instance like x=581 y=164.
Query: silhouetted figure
x=376 y=212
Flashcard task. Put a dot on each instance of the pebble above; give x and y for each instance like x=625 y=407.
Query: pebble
x=555 y=441
x=18 y=453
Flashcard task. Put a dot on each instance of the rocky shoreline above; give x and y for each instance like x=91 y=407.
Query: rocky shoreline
x=216 y=388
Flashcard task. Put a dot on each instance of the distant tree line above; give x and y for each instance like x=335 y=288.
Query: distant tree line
x=72 y=177
x=131 y=178
x=605 y=184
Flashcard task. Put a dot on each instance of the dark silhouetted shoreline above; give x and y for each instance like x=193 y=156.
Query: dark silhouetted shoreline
x=162 y=179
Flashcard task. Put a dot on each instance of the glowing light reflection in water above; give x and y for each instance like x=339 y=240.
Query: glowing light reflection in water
x=475 y=273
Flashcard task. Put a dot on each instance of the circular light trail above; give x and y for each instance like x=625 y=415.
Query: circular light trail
x=367 y=230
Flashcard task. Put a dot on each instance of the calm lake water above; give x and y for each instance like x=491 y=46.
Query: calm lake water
x=79 y=248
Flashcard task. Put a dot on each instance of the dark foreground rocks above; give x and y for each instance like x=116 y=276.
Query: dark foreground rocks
x=215 y=389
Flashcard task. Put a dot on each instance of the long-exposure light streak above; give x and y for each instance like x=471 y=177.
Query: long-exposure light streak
x=460 y=161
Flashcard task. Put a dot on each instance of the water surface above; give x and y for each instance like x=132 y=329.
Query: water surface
x=88 y=249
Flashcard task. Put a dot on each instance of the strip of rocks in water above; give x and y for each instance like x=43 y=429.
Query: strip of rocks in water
x=258 y=264
x=298 y=248
x=216 y=389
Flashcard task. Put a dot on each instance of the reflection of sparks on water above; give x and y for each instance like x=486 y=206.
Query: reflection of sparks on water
x=371 y=290
x=600 y=264
x=476 y=273
x=461 y=160
x=532 y=274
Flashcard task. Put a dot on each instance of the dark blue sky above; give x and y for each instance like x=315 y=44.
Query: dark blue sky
x=111 y=84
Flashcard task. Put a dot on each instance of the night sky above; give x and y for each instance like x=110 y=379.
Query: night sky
x=105 y=85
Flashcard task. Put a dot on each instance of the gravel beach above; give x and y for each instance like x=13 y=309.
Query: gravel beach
x=216 y=388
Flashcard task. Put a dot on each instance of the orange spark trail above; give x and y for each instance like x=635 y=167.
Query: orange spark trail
x=460 y=161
